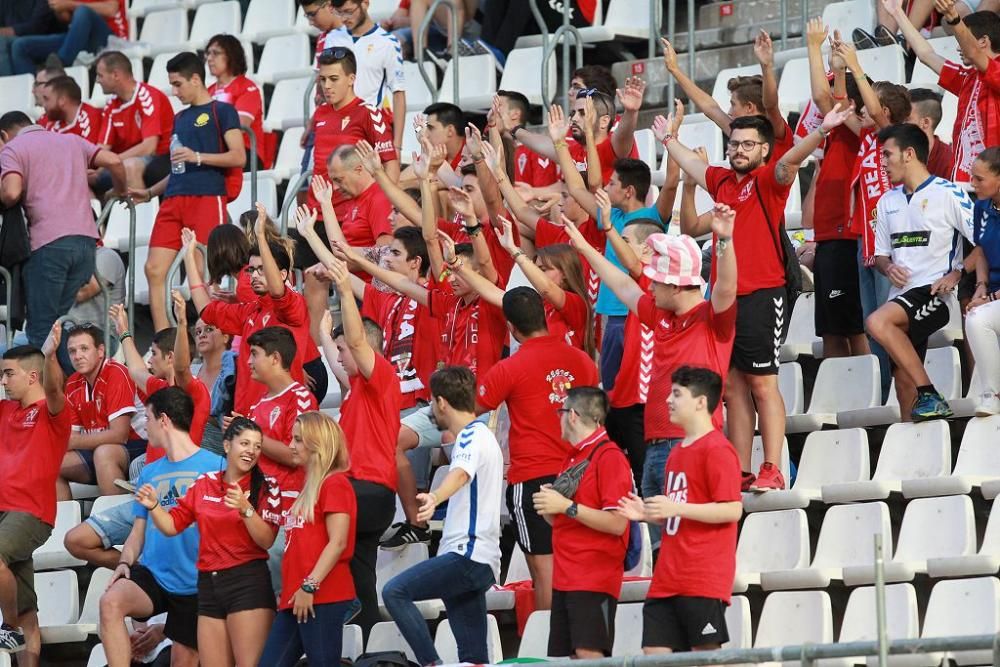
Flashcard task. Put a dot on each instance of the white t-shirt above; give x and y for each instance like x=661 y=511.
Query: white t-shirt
x=922 y=231
x=380 y=63
x=472 y=524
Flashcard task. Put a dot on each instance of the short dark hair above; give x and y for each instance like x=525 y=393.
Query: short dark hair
x=447 y=114
x=517 y=101
x=95 y=332
x=927 y=103
x=748 y=90
x=236 y=58
x=165 y=339
x=373 y=333
x=175 y=403
x=27 y=353
x=895 y=98
x=700 y=382
x=414 y=244
x=342 y=56
x=14 y=120
x=275 y=340
x=596 y=76
x=187 y=64
x=852 y=90
x=991 y=158
x=116 y=60
x=604 y=105
x=523 y=308
x=759 y=123
x=633 y=173
x=66 y=86
x=644 y=228
x=907 y=135
x=279 y=253
x=984 y=24
x=464 y=250
x=467 y=170
x=457 y=385
x=228 y=251
x=589 y=402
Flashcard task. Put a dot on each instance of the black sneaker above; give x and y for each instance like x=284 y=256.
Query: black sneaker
x=403 y=535
x=885 y=37
x=863 y=39
x=11 y=639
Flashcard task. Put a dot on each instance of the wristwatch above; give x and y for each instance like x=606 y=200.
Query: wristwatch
x=572 y=511
x=247 y=513
x=309 y=585
x=954 y=21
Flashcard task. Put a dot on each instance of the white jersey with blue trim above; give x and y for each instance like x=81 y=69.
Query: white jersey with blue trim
x=922 y=231
x=472 y=524
x=380 y=63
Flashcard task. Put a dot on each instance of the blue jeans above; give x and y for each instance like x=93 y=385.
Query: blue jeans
x=6 y=65
x=654 y=474
x=87 y=31
x=52 y=276
x=461 y=583
x=320 y=638
x=612 y=346
x=874 y=293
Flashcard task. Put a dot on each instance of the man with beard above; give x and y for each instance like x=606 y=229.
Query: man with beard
x=66 y=112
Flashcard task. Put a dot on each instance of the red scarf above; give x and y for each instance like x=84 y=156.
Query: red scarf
x=869 y=183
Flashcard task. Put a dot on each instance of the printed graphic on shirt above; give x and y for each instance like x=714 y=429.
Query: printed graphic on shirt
x=910 y=239
x=562 y=382
x=676 y=489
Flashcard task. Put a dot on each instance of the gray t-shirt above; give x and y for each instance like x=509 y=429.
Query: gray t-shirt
x=111 y=272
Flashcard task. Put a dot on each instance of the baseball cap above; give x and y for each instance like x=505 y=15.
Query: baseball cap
x=676 y=260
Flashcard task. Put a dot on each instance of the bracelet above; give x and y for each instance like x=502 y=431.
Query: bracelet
x=955 y=21
x=516 y=254
x=198 y=155
x=822 y=133
x=123 y=335
x=514 y=130
x=149 y=194
x=128 y=565
x=667 y=139
x=560 y=144
x=839 y=97
x=194 y=287
x=444 y=275
x=452 y=262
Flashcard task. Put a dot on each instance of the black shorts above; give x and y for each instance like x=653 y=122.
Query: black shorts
x=533 y=533
x=838 y=297
x=581 y=620
x=182 y=610
x=761 y=327
x=925 y=314
x=134 y=448
x=682 y=623
x=246 y=586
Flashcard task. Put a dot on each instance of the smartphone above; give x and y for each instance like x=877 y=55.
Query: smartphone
x=227 y=283
x=125 y=486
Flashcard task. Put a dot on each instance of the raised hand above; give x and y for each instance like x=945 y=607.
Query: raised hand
x=260 y=226
x=52 y=341
x=496 y=115
x=847 y=52
x=493 y=159
x=575 y=236
x=461 y=201
x=146 y=496
x=661 y=128
x=816 y=32
x=436 y=155
x=448 y=253
x=188 y=239
x=589 y=116
x=701 y=153
x=180 y=307
x=723 y=221
x=836 y=116
x=558 y=124
x=631 y=95
x=236 y=498
x=341 y=276
x=370 y=160
x=305 y=218
x=604 y=206
x=946 y=8
x=326 y=324
x=669 y=55
x=119 y=318
x=763 y=49
x=474 y=141
x=677 y=117
x=506 y=237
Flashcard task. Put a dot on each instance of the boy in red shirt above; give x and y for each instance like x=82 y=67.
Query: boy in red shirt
x=533 y=382
x=589 y=537
x=685 y=608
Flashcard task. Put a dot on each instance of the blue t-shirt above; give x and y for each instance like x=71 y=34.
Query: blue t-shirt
x=172 y=559
x=986 y=235
x=607 y=302
x=202 y=128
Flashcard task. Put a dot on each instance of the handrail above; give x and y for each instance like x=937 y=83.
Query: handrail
x=290 y=200
x=418 y=48
x=103 y=285
x=671 y=35
x=253 y=162
x=691 y=46
x=172 y=272
x=306 y=98
x=8 y=311
x=102 y=222
x=547 y=52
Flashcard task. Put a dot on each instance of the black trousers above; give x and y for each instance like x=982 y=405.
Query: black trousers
x=376 y=507
x=625 y=426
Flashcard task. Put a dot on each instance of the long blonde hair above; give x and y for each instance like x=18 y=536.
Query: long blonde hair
x=562 y=256
x=321 y=434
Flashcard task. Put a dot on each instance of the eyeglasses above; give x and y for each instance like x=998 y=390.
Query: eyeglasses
x=564 y=410
x=255 y=269
x=312 y=14
x=586 y=92
x=746 y=144
x=341 y=11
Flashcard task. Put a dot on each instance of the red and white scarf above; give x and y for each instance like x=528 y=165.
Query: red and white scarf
x=869 y=183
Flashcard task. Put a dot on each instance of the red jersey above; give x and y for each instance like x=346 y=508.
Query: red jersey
x=755 y=234
x=605 y=151
x=117 y=22
x=977 y=124
x=502 y=261
x=549 y=233
x=699 y=337
x=148 y=114
x=113 y=395
x=939 y=160
x=410 y=340
x=472 y=334
x=348 y=125
x=369 y=417
x=534 y=381
x=86 y=124
x=248 y=99
x=243 y=319
x=32 y=445
x=202 y=399
x=635 y=373
x=699 y=559
x=225 y=541
x=276 y=415
x=832 y=211
x=304 y=542
x=366 y=217
x=584 y=559
x=534 y=169
x=570 y=322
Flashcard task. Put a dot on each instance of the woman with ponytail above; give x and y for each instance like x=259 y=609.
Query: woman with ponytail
x=238 y=511
x=317 y=588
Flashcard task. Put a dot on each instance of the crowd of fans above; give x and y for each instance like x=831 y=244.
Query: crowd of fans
x=501 y=267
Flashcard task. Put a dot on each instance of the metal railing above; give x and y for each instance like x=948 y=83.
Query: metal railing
x=419 y=46
x=290 y=200
x=8 y=316
x=253 y=163
x=547 y=51
x=175 y=266
x=102 y=223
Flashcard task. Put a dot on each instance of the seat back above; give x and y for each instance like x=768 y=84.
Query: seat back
x=846 y=383
x=628 y=630
x=790 y=386
x=535 y=640
x=832 y=457
x=914 y=451
x=963 y=607
x=169 y=26
x=58 y=597
x=848 y=15
x=944 y=366
x=478 y=76
x=947 y=48
x=937 y=528
x=902 y=620
x=977 y=455
x=773 y=541
x=447 y=647
x=385 y=636
x=847 y=534
x=795 y=617
x=214 y=18
x=738 y=623
x=284 y=54
x=523 y=73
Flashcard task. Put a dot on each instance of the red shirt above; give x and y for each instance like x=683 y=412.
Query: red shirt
x=369 y=417
x=832 y=211
x=243 y=319
x=756 y=229
x=502 y=261
x=112 y=395
x=225 y=539
x=534 y=381
x=549 y=233
x=977 y=124
x=32 y=445
x=366 y=217
x=584 y=559
x=570 y=322
x=699 y=337
x=636 y=369
x=940 y=159
x=276 y=415
x=87 y=124
x=202 y=399
x=472 y=334
x=534 y=169
x=304 y=542
x=147 y=114
x=605 y=151
x=248 y=99
x=699 y=559
x=118 y=22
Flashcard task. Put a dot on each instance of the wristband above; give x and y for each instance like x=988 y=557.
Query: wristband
x=666 y=139
x=840 y=97
x=444 y=275
x=194 y=287
x=514 y=130
x=198 y=155
x=515 y=255
x=474 y=229
x=123 y=335
x=128 y=565
x=149 y=194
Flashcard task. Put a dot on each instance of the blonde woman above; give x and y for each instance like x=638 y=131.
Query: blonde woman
x=316 y=584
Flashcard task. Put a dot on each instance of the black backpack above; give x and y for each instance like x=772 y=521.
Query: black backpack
x=786 y=252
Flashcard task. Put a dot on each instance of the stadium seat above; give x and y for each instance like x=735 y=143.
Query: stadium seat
x=703 y=133
x=621 y=20
x=628 y=630
x=966 y=406
x=289 y=157
x=924 y=76
x=860 y=373
x=53 y=554
x=84 y=491
x=790 y=386
x=353 y=643
x=81 y=75
x=139 y=8
x=798 y=617
x=523 y=73
x=478 y=76
x=828 y=457
x=932 y=528
x=720 y=91
x=977 y=462
x=58 y=606
x=757 y=458
x=79 y=630
x=848 y=15
x=985 y=562
x=948 y=334
x=635 y=591
x=332 y=398
x=97 y=657
x=859 y=624
x=447 y=647
x=646 y=145
x=385 y=636
x=391 y=563
x=411 y=144
x=770 y=541
x=163 y=31
x=517 y=570
x=267 y=194
x=793 y=86
x=212 y=19
x=117 y=230
x=285 y=108
x=268 y=18
x=801 y=329
x=961 y=607
x=285 y=57
x=738 y=623
x=418 y=95
x=885 y=63
x=158 y=72
x=17 y=93
x=844 y=541
x=535 y=640
x=909 y=451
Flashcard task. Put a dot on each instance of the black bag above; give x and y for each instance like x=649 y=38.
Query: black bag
x=15 y=249
x=786 y=251
x=384 y=659
x=568 y=480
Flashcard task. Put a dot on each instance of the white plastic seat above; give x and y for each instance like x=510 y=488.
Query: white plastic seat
x=931 y=528
x=622 y=21
x=267 y=194
x=985 y=562
x=289 y=158
x=391 y=563
x=380 y=10
x=859 y=624
x=523 y=73
x=81 y=75
x=84 y=491
x=285 y=57
x=883 y=63
x=947 y=48
x=285 y=108
x=17 y=93
x=949 y=333
x=385 y=636
x=909 y=451
x=635 y=591
x=738 y=623
x=58 y=606
x=845 y=540
x=447 y=647
x=516 y=571
x=966 y=407
x=770 y=541
x=961 y=607
x=645 y=143
x=117 y=230
x=78 y=630
x=860 y=373
x=535 y=640
x=53 y=554
x=139 y=8
x=478 y=75
x=628 y=630
x=705 y=133
x=977 y=462
x=163 y=31
x=418 y=95
x=158 y=77
x=791 y=387
x=212 y=19
x=801 y=328
x=798 y=617
x=848 y=15
x=828 y=457
x=353 y=643
x=793 y=86
x=268 y=18
x=97 y=657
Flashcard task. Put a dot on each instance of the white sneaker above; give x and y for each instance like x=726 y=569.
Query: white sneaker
x=989 y=405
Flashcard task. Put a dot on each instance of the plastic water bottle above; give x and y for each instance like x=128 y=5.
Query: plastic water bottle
x=176 y=167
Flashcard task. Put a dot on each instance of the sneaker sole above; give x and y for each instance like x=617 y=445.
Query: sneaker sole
x=926 y=418
x=400 y=547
